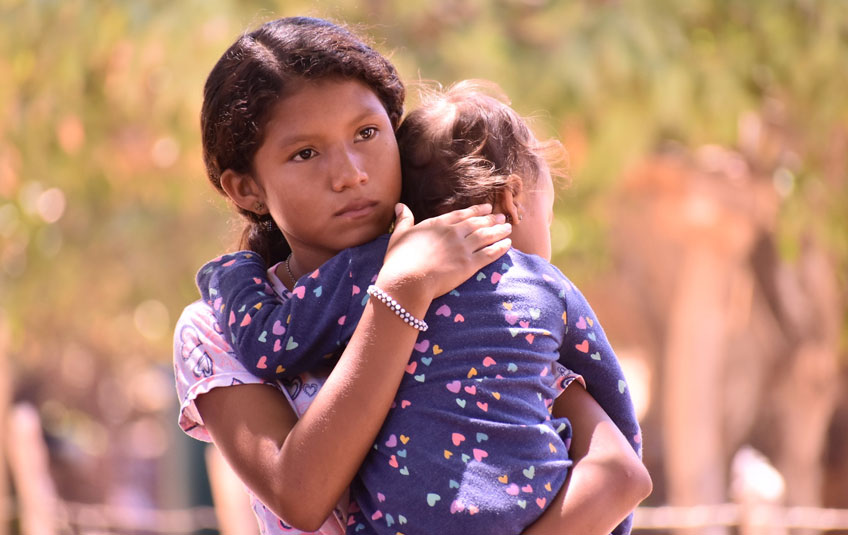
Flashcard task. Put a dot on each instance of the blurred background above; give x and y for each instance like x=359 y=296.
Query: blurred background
x=706 y=219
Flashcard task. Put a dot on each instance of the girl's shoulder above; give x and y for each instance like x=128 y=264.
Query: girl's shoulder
x=203 y=360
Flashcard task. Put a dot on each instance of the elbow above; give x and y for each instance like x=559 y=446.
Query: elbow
x=647 y=484
x=307 y=523
x=636 y=482
x=301 y=509
x=299 y=516
x=629 y=480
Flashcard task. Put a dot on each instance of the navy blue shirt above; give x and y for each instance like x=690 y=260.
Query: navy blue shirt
x=469 y=445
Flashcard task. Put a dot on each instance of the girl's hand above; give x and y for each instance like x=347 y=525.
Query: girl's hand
x=437 y=255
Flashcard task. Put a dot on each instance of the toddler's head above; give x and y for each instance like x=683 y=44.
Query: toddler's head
x=465 y=145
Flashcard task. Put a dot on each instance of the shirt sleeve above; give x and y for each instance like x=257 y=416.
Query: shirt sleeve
x=563 y=377
x=277 y=337
x=202 y=361
x=587 y=352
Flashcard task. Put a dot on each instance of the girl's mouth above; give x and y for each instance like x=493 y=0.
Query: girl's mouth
x=357 y=209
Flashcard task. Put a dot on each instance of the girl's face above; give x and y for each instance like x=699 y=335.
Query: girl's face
x=329 y=168
x=532 y=234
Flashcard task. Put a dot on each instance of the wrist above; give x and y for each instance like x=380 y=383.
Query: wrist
x=392 y=304
x=411 y=292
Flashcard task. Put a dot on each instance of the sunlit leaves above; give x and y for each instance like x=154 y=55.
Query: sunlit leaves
x=102 y=190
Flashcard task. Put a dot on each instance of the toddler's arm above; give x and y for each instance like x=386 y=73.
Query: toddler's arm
x=277 y=338
x=586 y=351
x=607 y=480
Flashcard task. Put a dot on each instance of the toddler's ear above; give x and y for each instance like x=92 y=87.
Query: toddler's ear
x=244 y=191
x=508 y=201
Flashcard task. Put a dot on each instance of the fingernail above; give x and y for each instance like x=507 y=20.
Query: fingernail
x=500 y=218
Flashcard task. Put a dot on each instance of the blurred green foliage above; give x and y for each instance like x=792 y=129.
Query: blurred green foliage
x=105 y=213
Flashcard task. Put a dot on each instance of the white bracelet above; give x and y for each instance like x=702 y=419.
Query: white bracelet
x=395 y=307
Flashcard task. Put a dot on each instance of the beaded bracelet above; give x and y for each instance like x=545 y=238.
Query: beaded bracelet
x=395 y=307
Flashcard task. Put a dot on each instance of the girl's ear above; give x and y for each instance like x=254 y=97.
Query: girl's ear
x=244 y=192
x=508 y=202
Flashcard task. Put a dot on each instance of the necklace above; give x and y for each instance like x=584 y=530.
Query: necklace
x=289 y=270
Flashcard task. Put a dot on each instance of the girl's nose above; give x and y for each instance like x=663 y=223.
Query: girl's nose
x=348 y=171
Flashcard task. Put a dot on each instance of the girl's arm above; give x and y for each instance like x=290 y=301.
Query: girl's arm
x=607 y=480
x=299 y=469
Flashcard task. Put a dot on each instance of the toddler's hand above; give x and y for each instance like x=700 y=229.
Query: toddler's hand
x=440 y=253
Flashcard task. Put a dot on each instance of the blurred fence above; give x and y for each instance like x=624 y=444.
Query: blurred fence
x=72 y=517
x=93 y=518
x=765 y=519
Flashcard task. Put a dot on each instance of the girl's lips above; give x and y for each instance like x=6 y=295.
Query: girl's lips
x=357 y=209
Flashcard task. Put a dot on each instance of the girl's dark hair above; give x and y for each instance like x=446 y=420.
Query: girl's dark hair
x=263 y=67
x=466 y=145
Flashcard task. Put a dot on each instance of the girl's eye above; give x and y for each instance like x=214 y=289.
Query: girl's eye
x=305 y=154
x=367 y=132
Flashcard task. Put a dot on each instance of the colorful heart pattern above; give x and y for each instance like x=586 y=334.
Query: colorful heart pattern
x=482 y=389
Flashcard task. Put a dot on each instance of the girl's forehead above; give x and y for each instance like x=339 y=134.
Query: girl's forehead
x=328 y=96
x=320 y=88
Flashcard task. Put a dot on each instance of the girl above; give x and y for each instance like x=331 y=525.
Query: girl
x=310 y=76
x=469 y=445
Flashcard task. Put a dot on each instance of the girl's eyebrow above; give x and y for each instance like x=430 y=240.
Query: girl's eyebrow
x=369 y=111
x=294 y=138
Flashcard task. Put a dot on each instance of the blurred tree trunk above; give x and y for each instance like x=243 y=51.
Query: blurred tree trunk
x=746 y=344
x=805 y=392
x=232 y=504
x=38 y=504
x=693 y=369
x=5 y=402
x=714 y=238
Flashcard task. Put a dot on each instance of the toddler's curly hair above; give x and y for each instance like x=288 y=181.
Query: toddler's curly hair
x=465 y=145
